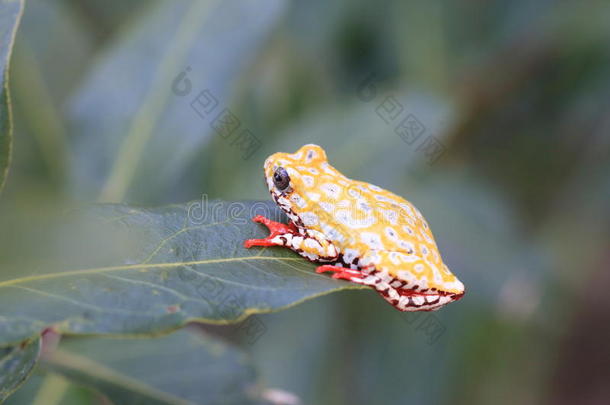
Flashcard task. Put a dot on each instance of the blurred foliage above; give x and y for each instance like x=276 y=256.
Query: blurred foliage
x=10 y=15
x=16 y=364
x=517 y=92
x=51 y=388
x=177 y=369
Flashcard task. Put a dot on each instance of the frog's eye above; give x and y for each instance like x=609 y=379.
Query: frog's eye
x=281 y=179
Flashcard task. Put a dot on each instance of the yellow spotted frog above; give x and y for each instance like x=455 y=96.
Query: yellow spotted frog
x=358 y=231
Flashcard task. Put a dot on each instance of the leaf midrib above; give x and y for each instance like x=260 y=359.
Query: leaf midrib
x=142 y=266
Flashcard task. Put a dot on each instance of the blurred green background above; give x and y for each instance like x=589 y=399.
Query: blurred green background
x=516 y=93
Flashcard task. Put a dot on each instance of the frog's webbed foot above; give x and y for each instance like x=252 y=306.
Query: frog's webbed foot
x=276 y=232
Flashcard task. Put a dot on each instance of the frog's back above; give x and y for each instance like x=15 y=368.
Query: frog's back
x=359 y=217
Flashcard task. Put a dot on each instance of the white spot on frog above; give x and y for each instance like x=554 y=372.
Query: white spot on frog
x=329 y=170
x=406 y=208
x=371 y=258
x=298 y=200
x=308 y=181
x=315 y=197
x=311 y=243
x=390 y=216
x=406 y=246
x=436 y=274
x=424 y=250
x=411 y=280
x=328 y=207
x=431 y=298
x=408 y=230
x=383 y=198
x=345 y=217
x=407 y=258
x=372 y=240
x=390 y=232
x=384 y=276
x=395 y=258
x=350 y=254
x=343 y=204
x=364 y=206
x=309 y=219
x=426 y=237
x=283 y=201
x=332 y=190
x=455 y=285
x=332 y=232
x=354 y=192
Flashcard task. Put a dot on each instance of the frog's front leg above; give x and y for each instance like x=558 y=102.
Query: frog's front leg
x=278 y=233
x=309 y=244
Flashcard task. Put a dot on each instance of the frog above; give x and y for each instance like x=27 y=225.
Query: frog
x=358 y=232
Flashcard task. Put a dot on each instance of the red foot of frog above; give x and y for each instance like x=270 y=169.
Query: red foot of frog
x=275 y=229
x=341 y=273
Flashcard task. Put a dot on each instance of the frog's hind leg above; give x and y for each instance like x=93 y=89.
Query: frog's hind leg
x=371 y=278
x=342 y=273
x=355 y=276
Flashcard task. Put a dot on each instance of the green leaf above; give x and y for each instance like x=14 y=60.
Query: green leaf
x=182 y=368
x=40 y=84
x=133 y=108
x=16 y=364
x=138 y=271
x=52 y=389
x=10 y=14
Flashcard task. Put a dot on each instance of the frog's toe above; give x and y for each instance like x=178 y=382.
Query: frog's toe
x=248 y=243
x=275 y=228
x=328 y=267
x=348 y=276
x=260 y=219
x=341 y=273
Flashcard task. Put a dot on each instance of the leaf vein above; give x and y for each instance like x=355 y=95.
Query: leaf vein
x=141 y=266
x=81 y=303
x=175 y=234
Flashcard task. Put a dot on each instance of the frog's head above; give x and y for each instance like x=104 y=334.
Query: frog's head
x=290 y=175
